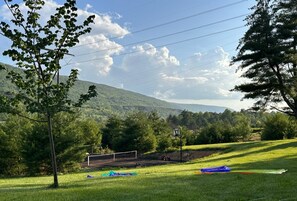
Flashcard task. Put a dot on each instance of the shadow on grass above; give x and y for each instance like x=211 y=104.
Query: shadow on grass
x=22 y=187
x=248 y=146
x=286 y=162
x=174 y=187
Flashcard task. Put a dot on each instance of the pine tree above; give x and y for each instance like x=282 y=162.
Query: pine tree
x=286 y=25
x=263 y=55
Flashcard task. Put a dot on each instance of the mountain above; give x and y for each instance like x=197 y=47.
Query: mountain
x=113 y=101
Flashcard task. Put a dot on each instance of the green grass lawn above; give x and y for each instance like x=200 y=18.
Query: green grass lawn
x=178 y=181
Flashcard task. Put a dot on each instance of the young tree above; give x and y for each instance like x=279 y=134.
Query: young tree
x=267 y=53
x=37 y=49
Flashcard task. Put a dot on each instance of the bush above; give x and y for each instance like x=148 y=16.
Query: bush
x=279 y=126
x=292 y=129
x=216 y=133
x=164 y=143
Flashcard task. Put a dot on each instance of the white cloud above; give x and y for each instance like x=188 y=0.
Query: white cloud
x=87 y=7
x=197 y=80
x=95 y=47
x=164 y=94
x=156 y=72
x=103 y=23
x=143 y=70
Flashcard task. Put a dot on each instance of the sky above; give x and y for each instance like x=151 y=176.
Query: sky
x=174 y=50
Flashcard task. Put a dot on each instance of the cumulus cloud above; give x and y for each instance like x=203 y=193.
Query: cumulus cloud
x=143 y=70
x=205 y=75
x=95 y=49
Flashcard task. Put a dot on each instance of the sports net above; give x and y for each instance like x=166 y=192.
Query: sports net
x=97 y=158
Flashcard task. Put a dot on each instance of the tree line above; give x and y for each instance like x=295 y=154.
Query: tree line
x=25 y=146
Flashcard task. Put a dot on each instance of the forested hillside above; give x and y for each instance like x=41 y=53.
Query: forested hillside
x=113 y=101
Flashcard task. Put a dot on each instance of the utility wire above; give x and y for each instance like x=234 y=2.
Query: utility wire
x=153 y=80
x=184 y=70
x=167 y=35
x=170 y=22
x=168 y=44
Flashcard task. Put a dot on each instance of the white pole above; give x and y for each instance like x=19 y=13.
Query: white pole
x=88 y=160
x=136 y=154
x=113 y=156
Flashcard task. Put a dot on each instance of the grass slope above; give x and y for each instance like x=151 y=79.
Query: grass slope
x=177 y=182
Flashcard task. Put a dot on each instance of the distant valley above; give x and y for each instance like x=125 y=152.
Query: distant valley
x=113 y=101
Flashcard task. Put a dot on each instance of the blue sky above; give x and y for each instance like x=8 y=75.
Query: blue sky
x=173 y=50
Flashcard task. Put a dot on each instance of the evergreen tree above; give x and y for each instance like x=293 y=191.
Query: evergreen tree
x=12 y=135
x=162 y=131
x=112 y=133
x=286 y=26
x=92 y=134
x=266 y=59
x=138 y=134
x=70 y=149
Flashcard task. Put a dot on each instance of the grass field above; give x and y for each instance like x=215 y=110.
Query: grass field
x=177 y=182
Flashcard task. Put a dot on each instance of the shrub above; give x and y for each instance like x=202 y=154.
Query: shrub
x=279 y=126
x=216 y=133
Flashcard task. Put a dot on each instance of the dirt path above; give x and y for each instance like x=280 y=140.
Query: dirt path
x=149 y=160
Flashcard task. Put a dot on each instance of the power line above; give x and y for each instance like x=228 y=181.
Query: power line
x=168 y=44
x=183 y=59
x=153 y=80
x=170 y=22
x=195 y=15
x=167 y=35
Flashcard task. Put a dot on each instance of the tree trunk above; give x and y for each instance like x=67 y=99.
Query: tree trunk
x=53 y=152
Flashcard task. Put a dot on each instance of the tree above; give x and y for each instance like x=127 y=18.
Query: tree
x=37 y=49
x=267 y=53
x=278 y=126
x=138 y=134
x=112 y=133
x=162 y=131
x=70 y=149
x=12 y=134
x=242 y=126
x=216 y=133
x=92 y=134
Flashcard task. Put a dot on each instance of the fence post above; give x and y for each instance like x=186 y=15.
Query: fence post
x=136 y=154
x=113 y=156
x=88 y=161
